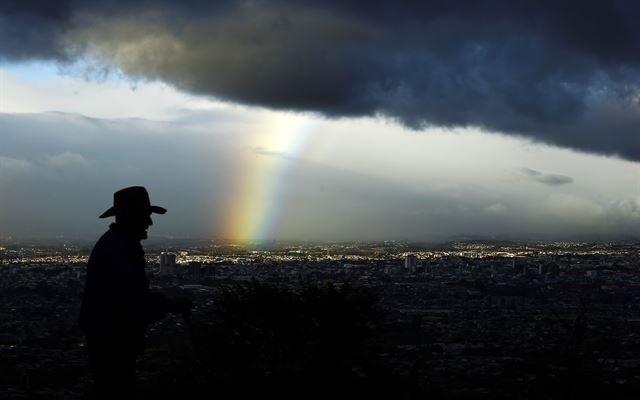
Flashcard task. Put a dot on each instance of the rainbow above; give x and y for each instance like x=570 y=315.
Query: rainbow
x=254 y=205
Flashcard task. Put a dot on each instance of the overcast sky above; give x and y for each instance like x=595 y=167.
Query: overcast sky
x=323 y=120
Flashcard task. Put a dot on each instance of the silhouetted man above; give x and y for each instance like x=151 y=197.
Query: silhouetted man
x=117 y=304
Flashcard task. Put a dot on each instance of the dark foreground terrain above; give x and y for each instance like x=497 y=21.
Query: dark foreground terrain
x=455 y=328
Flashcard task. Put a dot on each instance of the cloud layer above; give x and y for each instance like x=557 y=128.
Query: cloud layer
x=58 y=173
x=562 y=72
x=547 y=179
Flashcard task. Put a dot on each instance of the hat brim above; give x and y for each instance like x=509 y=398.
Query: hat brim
x=113 y=211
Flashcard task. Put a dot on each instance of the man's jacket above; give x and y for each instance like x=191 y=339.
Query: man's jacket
x=117 y=304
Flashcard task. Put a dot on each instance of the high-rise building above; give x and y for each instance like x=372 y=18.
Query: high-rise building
x=167 y=263
x=410 y=263
x=195 y=268
x=543 y=269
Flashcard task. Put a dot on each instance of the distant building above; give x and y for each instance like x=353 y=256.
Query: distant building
x=505 y=297
x=167 y=263
x=518 y=267
x=195 y=268
x=543 y=269
x=410 y=263
x=550 y=267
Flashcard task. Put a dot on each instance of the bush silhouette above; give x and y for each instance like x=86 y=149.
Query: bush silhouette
x=274 y=342
x=291 y=343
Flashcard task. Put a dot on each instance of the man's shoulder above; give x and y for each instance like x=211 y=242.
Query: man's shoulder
x=109 y=240
x=110 y=243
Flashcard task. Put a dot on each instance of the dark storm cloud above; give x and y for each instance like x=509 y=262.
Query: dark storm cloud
x=563 y=72
x=547 y=179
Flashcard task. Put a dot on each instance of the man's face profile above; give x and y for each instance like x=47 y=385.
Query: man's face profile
x=136 y=224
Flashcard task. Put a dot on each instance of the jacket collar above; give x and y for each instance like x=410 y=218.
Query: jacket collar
x=122 y=232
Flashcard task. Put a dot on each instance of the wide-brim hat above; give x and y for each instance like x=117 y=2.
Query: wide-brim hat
x=130 y=201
